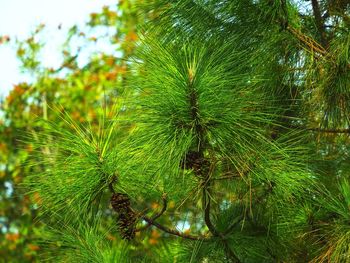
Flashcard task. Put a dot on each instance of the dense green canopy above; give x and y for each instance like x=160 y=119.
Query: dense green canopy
x=229 y=142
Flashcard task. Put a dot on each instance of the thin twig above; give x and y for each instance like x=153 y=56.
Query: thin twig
x=110 y=185
x=159 y=214
x=175 y=232
x=312 y=44
x=152 y=222
x=323 y=130
x=235 y=176
x=329 y=130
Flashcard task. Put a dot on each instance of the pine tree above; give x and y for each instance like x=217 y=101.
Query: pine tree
x=213 y=146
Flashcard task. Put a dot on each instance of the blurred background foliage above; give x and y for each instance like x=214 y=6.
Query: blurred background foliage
x=83 y=90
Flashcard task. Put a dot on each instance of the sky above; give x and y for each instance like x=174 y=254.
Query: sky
x=20 y=17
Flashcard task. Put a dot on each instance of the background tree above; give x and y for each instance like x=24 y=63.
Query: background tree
x=234 y=123
x=81 y=83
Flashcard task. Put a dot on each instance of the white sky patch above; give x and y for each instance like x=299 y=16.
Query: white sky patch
x=20 y=17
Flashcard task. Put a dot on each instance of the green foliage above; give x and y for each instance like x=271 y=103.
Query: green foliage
x=334 y=234
x=221 y=117
x=94 y=159
x=80 y=88
x=83 y=241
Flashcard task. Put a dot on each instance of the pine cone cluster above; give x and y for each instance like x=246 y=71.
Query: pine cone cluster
x=194 y=160
x=126 y=216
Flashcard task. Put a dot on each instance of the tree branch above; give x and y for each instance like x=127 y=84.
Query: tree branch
x=207 y=204
x=173 y=231
x=319 y=22
x=159 y=214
